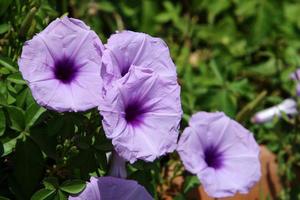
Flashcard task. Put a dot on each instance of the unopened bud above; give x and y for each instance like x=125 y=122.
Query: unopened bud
x=288 y=106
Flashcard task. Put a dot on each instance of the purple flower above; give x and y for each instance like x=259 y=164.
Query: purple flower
x=222 y=153
x=62 y=66
x=296 y=76
x=128 y=48
x=109 y=188
x=141 y=114
x=288 y=106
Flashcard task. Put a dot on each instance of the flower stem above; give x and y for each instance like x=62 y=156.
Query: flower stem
x=117 y=166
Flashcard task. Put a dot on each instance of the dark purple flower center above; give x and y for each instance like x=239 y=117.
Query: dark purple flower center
x=65 y=70
x=213 y=157
x=125 y=70
x=134 y=113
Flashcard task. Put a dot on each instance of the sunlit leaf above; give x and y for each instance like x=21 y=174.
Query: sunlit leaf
x=73 y=186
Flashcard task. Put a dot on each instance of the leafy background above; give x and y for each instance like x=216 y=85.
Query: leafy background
x=231 y=55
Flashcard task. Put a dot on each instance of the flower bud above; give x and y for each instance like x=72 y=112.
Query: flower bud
x=288 y=106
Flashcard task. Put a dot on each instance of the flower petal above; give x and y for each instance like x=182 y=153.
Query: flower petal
x=222 y=153
x=155 y=101
x=127 y=48
x=106 y=188
x=62 y=66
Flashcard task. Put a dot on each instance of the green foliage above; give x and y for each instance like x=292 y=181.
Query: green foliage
x=73 y=187
x=53 y=190
x=190 y=182
x=43 y=194
x=233 y=56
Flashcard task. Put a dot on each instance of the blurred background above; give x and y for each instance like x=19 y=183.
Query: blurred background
x=234 y=56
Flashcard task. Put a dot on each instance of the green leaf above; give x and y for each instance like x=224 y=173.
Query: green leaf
x=217 y=72
x=245 y=8
x=291 y=12
x=10 y=99
x=73 y=186
x=3 y=93
x=106 y=6
x=46 y=143
x=4 y=71
x=21 y=98
x=27 y=22
x=144 y=178
x=8 y=144
x=102 y=143
x=180 y=197
x=102 y=162
x=149 y=10
x=61 y=196
x=2 y=123
x=240 y=87
x=4 y=28
x=190 y=182
x=266 y=68
x=79 y=161
x=55 y=126
x=51 y=183
x=11 y=88
x=43 y=194
x=226 y=103
x=16 y=78
x=4 y=4
x=215 y=7
x=8 y=63
x=29 y=166
x=163 y=17
x=264 y=21
x=32 y=114
x=17 y=118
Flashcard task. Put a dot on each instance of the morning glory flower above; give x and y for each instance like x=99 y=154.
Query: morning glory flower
x=221 y=152
x=110 y=188
x=141 y=114
x=62 y=66
x=288 y=106
x=127 y=48
x=296 y=76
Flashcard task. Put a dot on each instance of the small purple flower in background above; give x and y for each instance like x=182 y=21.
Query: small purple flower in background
x=288 y=106
x=128 y=48
x=141 y=114
x=221 y=152
x=110 y=188
x=62 y=66
x=296 y=76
